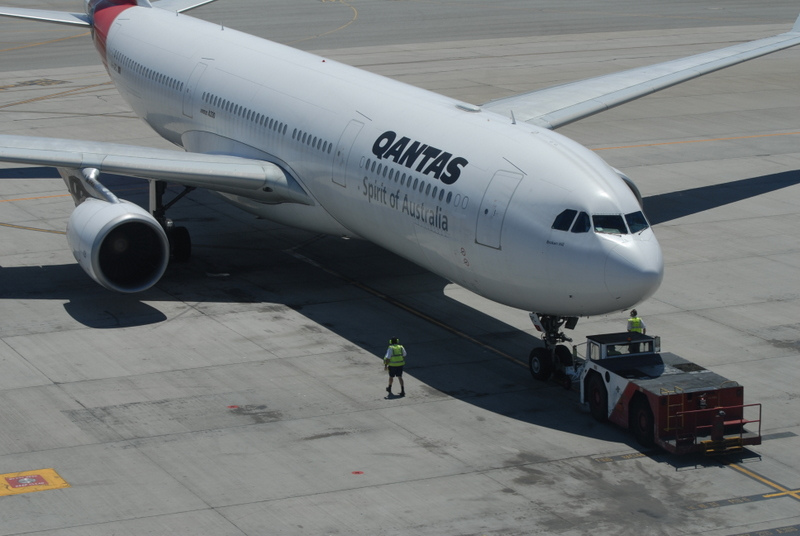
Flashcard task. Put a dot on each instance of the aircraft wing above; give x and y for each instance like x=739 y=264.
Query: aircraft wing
x=560 y=105
x=180 y=5
x=61 y=17
x=257 y=179
x=82 y=19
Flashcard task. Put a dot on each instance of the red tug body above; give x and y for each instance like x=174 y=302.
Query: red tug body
x=664 y=399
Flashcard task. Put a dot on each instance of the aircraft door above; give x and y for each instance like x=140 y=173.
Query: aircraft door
x=188 y=93
x=342 y=154
x=493 y=207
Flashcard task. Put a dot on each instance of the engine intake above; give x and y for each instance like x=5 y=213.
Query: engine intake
x=120 y=245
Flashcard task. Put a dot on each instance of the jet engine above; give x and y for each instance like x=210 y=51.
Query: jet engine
x=120 y=245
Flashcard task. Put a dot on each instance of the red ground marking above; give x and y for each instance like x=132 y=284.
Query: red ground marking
x=25 y=481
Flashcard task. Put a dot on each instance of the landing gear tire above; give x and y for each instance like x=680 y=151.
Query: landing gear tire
x=597 y=395
x=180 y=243
x=563 y=355
x=641 y=422
x=540 y=364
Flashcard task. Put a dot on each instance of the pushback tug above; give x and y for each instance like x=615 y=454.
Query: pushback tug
x=664 y=399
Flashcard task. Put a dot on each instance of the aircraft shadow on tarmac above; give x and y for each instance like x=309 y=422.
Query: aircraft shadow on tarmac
x=267 y=281
x=34 y=172
x=673 y=205
x=363 y=295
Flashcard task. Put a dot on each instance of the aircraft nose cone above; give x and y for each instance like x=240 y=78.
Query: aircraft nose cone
x=634 y=271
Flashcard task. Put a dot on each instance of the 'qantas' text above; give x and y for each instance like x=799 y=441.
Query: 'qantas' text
x=418 y=156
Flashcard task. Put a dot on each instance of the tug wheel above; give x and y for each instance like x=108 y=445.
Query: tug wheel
x=597 y=395
x=641 y=422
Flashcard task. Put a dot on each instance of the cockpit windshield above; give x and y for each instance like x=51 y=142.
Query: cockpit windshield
x=572 y=220
x=636 y=222
x=564 y=220
x=609 y=224
x=582 y=223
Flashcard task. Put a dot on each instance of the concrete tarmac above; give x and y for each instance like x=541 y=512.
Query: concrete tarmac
x=244 y=394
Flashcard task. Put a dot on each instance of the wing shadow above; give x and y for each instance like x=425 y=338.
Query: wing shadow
x=673 y=205
x=37 y=172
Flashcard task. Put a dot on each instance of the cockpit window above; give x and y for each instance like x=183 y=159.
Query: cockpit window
x=564 y=220
x=609 y=224
x=582 y=223
x=636 y=222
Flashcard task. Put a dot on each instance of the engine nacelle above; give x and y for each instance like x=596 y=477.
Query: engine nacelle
x=120 y=245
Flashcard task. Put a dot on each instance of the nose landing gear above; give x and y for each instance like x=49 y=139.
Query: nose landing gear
x=554 y=358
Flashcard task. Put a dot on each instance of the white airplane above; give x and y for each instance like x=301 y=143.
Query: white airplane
x=489 y=197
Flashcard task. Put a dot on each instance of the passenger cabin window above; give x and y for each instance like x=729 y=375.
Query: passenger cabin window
x=636 y=222
x=564 y=220
x=609 y=224
x=582 y=223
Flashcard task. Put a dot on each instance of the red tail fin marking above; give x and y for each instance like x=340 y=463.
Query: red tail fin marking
x=103 y=14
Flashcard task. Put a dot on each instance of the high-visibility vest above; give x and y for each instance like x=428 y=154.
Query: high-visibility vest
x=636 y=324
x=396 y=359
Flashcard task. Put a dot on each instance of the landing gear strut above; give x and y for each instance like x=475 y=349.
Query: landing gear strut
x=180 y=243
x=554 y=358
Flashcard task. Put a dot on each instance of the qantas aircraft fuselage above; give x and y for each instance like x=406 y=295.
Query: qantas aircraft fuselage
x=468 y=194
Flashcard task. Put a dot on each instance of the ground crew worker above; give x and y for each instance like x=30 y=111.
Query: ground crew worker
x=636 y=324
x=394 y=360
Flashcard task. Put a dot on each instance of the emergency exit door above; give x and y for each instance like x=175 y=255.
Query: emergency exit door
x=342 y=155
x=493 y=208
x=188 y=94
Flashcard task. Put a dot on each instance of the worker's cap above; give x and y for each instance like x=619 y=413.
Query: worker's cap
x=634 y=312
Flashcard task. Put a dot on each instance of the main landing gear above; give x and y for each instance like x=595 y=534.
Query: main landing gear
x=180 y=243
x=554 y=358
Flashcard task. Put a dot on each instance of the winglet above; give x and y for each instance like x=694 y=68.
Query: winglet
x=796 y=27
